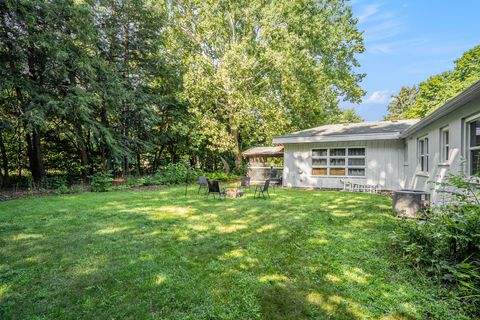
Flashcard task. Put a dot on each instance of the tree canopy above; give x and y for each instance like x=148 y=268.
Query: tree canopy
x=129 y=86
x=417 y=102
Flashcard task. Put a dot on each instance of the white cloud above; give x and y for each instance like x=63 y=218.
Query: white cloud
x=378 y=22
x=379 y=97
x=368 y=11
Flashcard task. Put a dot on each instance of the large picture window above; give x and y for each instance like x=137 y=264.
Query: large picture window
x=474 y=146
x=423 y=154
x=338 y=162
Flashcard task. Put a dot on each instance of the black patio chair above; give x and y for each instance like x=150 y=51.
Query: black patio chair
x=262 y=189
x=202 y=183
x=245 y=183
x=214 y=189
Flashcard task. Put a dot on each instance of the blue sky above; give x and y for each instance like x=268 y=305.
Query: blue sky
x=408 y=41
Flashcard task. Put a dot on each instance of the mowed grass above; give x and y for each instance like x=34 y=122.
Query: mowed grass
x=160 y=255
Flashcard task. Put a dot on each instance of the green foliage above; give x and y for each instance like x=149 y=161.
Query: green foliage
x=447 y=242
x=101 y=181
x=75 y=188
x=417 y=102
x=158 y=254
x=346 y=116
x=222 y=176
x=130 y=86
x=402 y=103
x=175 y=173
x=240 y=171
x=266 y=68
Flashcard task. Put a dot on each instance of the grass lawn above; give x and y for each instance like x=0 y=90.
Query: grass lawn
x=158 y=255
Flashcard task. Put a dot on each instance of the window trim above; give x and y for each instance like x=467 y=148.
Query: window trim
x=346 y=166
x=469 y=148
x=444 y=147
x=423 y=156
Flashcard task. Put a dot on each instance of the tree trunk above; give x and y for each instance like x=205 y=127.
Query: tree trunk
x=237 y=148
x=3 y=152
x=104 y=151
x=82 y=150
x=156 y=160
x=35 y=157
x=138 y=166
x=226 y=167
x=126 y=167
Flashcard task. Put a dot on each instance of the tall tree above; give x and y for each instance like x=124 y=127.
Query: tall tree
x=32 y=46
x=346 y=116
x=437 y=89
x=254 y=69
x=401 y=103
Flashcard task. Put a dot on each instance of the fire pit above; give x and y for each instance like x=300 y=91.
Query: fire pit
x=233 y=193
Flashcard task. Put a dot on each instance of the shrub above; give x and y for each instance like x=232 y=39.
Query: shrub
x=221 y=175
x=63 y=189
x=446 y=243
x=101 y=182
x=53 y=182
x=174 y=173
x=131 y=182
x=76 y=188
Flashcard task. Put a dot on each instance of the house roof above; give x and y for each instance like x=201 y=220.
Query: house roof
x=450 y=106
x=378 y=130
x=273 y=152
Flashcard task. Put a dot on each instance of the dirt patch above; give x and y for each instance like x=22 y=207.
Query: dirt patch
x=7 y=194
x=146 y=188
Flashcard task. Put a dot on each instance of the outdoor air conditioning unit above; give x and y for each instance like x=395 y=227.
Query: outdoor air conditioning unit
x=408 y=203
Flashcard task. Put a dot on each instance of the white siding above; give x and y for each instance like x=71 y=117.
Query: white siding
x=438 y=170
x=384 y=165
x=391 y=164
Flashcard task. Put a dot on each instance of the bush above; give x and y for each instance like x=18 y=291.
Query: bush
x=76 y=188
x=174 y=173
x=446 y=243
x=63 y=189
x=221 y=175
x=101 y=182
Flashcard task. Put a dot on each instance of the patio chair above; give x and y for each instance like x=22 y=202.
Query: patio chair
x=214 y=189
x=276 y=182
x=262 y=189
x=245 y=183
x=202 y=183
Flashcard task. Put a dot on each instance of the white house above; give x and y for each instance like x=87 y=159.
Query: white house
x=402 y=154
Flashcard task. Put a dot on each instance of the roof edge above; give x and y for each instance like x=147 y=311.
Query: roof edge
x=333 y=138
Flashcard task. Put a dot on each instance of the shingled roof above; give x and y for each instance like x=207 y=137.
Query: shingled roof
x=377 y=130
x=273 y=152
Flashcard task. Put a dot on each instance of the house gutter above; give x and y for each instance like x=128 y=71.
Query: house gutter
x=334 y=138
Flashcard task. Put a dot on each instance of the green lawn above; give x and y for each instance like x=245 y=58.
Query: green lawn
x=158 y=255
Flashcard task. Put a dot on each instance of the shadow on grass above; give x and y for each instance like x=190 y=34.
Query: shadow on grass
x=299 y=255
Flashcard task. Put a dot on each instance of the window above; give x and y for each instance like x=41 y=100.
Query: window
x=445 y=144
x=423 y=154
x=338 y=162
x=474 y=146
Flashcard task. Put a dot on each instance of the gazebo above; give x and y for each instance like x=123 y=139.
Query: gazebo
x=264 y=163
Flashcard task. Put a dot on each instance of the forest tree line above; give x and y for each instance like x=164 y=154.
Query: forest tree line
x=130 y=85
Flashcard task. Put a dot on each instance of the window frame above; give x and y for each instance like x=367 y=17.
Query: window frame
x=328 y=157
x=469 y=148
x=445 y=145
x=423 y=154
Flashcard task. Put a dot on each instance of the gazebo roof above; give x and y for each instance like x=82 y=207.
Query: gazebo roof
x=265 y=152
